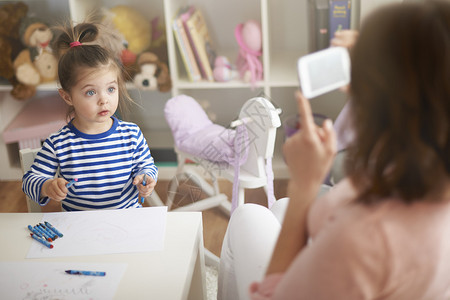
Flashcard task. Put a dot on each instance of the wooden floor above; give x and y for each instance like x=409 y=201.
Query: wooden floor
x=215 y=222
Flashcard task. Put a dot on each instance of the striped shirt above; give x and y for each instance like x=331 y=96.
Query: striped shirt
x=105 y=165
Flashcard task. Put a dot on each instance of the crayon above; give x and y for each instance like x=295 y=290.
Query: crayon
x=89 y=273
x=41 y=240
x=43 y=233
x=50 y=226
x=50 y=232
x=71 y=182
x=33 y=230
x=144 y=182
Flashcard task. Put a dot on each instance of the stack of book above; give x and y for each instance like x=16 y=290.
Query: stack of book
x=195 y=44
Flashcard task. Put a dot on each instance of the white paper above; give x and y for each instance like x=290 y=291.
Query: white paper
x=48 y=280
x=104 y=232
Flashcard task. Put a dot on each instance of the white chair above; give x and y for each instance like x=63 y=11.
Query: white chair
x=26 y=160
x=261 y=120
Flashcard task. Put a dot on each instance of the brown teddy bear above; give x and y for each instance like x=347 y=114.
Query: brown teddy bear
x=36 y=64
x=152 y=74
x=11 y=15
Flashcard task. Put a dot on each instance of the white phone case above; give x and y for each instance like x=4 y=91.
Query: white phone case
x=323 y=71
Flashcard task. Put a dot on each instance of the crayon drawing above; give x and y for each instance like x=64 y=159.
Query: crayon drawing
x=47 y=280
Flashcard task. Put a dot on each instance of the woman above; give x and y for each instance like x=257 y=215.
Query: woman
x=381 y=233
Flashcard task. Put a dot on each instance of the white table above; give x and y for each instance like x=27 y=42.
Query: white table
x=178 y=272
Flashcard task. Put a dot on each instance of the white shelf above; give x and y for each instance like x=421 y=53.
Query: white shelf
x=285 y=39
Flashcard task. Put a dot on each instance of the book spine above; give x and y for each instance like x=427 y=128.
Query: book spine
x=190 y=54
x=183 y=51
x=194 y=25
x=339 y=16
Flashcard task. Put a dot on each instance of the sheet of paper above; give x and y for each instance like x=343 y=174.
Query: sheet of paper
x=104 y=232
x=48 y=280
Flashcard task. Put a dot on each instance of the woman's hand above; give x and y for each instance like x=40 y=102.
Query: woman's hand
x=345 y=38
x=309 y=154
x=55 y=189
x=310 y=151
x=147 y=189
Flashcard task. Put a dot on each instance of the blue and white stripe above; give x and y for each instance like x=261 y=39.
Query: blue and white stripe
x=105 y=165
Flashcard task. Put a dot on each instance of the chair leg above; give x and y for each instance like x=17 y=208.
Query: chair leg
x=154 y=200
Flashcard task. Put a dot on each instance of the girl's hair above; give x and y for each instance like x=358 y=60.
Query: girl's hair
x=94 y=48
x=400 y=92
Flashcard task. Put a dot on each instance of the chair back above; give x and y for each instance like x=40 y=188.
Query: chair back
x=261 y=120
x=27 y=157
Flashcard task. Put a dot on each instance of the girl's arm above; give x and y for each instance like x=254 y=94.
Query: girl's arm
x=42 y=172
x=309 y=154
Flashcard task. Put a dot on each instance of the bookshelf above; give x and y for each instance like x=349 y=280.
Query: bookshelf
x=285 y=38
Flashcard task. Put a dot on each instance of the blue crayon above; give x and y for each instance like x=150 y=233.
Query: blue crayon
x=33 y=230
x=43 y=233
x=71 y=182
x=89 y=273
x=50 y=226
x=144 y=182
x=50 y=232
x=41 y=240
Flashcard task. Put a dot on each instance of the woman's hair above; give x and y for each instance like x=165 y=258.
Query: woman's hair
x=400 y=88
x=88 y=45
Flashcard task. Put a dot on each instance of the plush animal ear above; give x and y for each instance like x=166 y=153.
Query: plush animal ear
x=163 y=77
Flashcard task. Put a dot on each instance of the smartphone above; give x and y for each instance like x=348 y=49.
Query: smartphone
x=323 y=71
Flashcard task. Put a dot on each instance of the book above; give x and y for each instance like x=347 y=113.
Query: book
x=201 y=42
x=340 y=11
x=318 y=24
x=185 y=49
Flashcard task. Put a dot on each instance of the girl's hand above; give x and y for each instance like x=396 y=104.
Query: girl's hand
x=147 y=189
x=55 y=189
x=310 y=151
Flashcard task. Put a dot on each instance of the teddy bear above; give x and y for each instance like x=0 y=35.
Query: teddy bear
x=11 y=15
x=36 y=64
x=152 y=73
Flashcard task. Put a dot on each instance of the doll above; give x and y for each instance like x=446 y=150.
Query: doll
x=249 y=38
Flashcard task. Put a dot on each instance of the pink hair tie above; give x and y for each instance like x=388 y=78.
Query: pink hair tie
x=74 y=44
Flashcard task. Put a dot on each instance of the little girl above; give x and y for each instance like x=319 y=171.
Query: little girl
x=104 y=157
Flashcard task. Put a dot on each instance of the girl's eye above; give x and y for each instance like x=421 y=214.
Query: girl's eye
x=111 y=89
x=90 y=93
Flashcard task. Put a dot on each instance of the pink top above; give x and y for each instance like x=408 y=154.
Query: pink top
x=385 y=251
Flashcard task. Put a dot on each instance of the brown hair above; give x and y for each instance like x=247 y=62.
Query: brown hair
x=95 y=51
x=400 y=92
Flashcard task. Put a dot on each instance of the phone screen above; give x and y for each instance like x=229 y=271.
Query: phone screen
x=324 y=71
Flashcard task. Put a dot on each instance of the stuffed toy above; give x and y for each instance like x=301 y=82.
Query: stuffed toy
x=133 y=25
x=11 y=15
x=36 y=64
x=152 y=73
x=249 y=38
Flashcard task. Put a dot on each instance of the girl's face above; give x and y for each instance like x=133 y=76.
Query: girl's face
x=94 y=98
